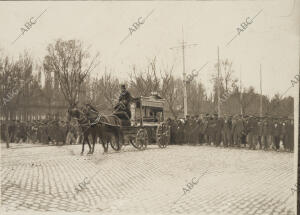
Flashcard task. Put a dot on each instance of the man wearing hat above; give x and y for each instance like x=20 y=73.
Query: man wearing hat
x=238 y=129
x=218 y=129
x=265 y=133
x=290 y=135
x=187 y=129
x=252 y=128
x=124 y=100
x=276 y=133
x=227 y=136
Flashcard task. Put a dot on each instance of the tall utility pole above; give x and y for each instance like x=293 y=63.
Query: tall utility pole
x=183 y=46
x=260 y=78
x=184 y=78
x=218 y=85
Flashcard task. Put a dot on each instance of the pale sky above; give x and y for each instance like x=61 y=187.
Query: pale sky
x=272 y=39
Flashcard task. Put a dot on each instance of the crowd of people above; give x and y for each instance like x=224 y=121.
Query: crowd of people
x=234 y=131
x=229 y=131
x=35 y=131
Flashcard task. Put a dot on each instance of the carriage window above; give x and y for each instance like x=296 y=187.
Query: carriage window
x=159 y=116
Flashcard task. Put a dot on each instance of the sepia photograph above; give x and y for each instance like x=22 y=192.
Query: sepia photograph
x=149 y=107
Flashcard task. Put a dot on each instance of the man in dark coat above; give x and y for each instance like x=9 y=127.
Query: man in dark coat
x=180 y=130
x=201 y=130
x=205 y=129
x=210 y=131
x=265 y=133
x=218 y=129
x=187 y=130
x=270 y=127
x=227 y=132
x=194 y=130
x=276 y=132
x=173 y=132
x=252 y=128
x=259 y=132
x=238 y=130
x=245 y=130
x=3 y=130
x=12 y=131
x=124 y=101
x=290 y=135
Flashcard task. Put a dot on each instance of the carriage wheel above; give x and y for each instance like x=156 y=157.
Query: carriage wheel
x=141 y=139
x=163 y=135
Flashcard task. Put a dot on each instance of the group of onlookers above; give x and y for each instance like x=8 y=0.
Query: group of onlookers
x=234 y=131
x=227 y=131
x=36 y=131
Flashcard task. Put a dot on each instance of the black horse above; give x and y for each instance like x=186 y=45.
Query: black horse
x=108 y=127
x=93 y=123
x=86 y=128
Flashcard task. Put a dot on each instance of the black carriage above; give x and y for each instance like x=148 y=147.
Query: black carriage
x=147 y=124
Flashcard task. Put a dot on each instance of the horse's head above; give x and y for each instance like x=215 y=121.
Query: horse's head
x=74 y=113
x=90 y=111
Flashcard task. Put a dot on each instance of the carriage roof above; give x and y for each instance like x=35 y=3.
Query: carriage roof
x=153 y=101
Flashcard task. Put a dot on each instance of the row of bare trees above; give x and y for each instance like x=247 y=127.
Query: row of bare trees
x=68 y=67
x=19 y=87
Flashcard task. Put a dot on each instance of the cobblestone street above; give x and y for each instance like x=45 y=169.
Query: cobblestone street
x=230 y=181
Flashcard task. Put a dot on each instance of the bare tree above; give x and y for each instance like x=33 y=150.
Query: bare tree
x=71 y=64
x=161 y=81
x=227 y=74
x=171 y=91
x=109 y=88
x=247 y=98
x=196 y=98
x=226 y=81
x=18 y=85
x=145 y=82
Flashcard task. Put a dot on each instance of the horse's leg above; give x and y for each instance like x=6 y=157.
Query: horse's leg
x=104 y=144
x=94 y=142
x=88 y=141
x=102 y=137
x=83 y=142
x=117 y=137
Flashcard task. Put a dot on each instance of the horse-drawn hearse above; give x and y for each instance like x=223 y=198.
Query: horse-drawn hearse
x=146 y=125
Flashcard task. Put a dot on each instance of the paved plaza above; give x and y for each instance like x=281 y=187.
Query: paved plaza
x=157 y=181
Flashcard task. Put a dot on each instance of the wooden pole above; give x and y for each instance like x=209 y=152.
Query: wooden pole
x=184 y=78
x=218 y=85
